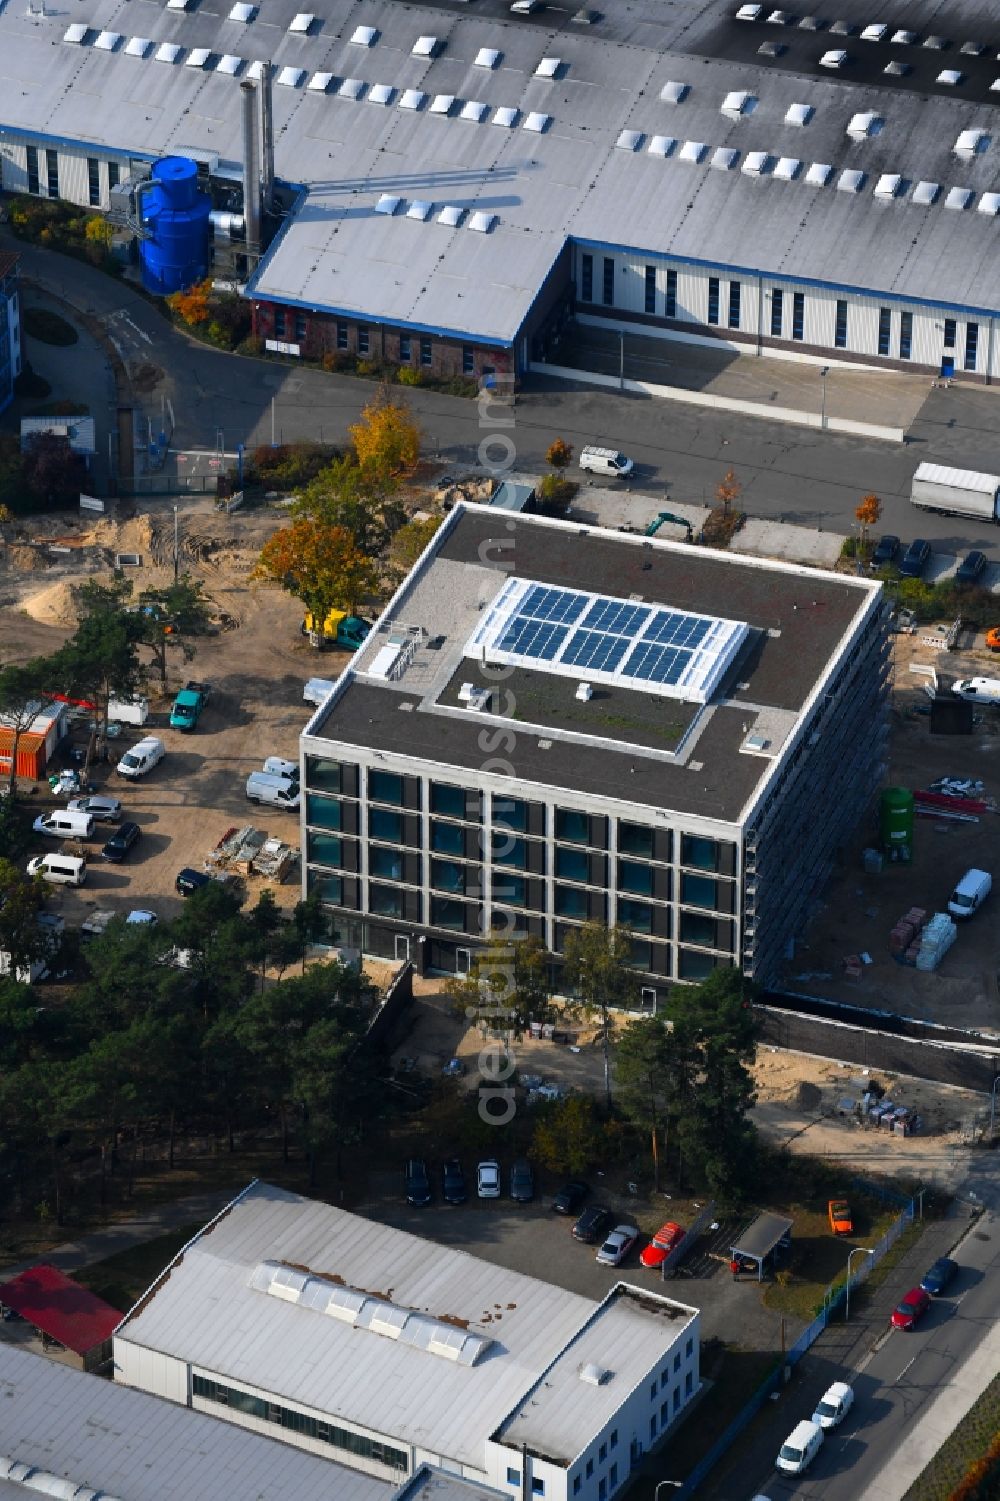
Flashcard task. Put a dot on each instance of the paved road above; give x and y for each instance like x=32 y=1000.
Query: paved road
x=804 y=477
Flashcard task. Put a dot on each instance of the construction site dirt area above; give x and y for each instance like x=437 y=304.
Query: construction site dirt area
x=859 y=908
x=255 y=659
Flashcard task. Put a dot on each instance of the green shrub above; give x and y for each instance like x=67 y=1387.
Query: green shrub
x=409 y=375
x=48 y=328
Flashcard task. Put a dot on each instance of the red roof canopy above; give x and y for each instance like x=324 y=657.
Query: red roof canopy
x=60 y=1307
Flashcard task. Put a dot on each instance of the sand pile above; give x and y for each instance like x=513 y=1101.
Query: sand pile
x=26 y=559
x=125 y=536
x=53 y=606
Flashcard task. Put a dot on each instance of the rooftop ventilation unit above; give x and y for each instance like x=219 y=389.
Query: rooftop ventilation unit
x=425 y=46
x=875 y=32
x=178 y=4
x=799 y=114
x=419 y=209
x=242 y=12
x=778 y=18
x=450 y=216
x=474 y=110
x=364 y=36
x=168 y=52
x=660 y=145
x=724 y=159
x=380 y=93
x=481 y=223
x=506 y=117
x=595 y=1375
x=925 y=193
x=995 y=86
x=584 y=692
x=319 y=83
x=197 y=57
x=819 y=175
x=755 y=164
x=888 y=185
x=950 y=78
x=290 y=78
x=137 y=46
x=441 y=104
x=935 y=43
x=841 y=28
x=107 y=41
x=629 y=140
x=75 y=33
x=850 y=181
x=692 y=151
x=787 y=168
x=972 y=49
x=301 y=22
x=959 y=198
x=256 y=69
x=833 y=59
x=736 y=104
x=487 y=57
x=864 y=125
x=771 y=49
x=388 y=204
x=897 y=70
x=749 y=12
x=229 y=64
x=673 y=93
x=811 y=23
x=904 y=38
x=548 y=67
x=971 y=143
x=989 y=203
x=412 y=99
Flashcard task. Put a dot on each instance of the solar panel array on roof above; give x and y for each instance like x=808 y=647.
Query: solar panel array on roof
x=571 y=633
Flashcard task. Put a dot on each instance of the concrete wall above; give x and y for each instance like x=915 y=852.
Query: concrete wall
x=756 y=303
x=150 y=1371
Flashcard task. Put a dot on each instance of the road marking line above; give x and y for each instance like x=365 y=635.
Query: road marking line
x=905 y=1369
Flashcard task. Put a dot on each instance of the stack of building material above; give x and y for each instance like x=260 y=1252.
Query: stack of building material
x=274 y=860
x=936 y=939
x=904 y=939
x=237 y=849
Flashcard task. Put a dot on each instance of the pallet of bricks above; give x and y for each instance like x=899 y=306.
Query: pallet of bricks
x=904 y=940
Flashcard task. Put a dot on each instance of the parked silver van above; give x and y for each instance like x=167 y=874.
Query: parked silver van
x=273 y=791
x=606 y=461
x=60 y=870
x=970 y=893
x=65 y=823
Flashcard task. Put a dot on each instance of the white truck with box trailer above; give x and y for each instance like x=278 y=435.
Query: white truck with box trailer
x=956 y=492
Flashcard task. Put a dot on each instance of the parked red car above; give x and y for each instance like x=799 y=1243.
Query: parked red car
x=912 y=1308
x=666 y=1239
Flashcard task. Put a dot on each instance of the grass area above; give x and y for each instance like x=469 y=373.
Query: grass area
x=819 y=1258
x=48 y=328
x=964 y=1447
x=122 y=1279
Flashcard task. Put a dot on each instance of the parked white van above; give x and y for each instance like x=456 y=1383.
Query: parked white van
x=800 y=1447
x=970 y=893
x=65 y=823
x=986 y=690
x=274 y=792
x=834 y=1405
x=277 y=766
x=606 y=461
x=61 y=870
x=141 y=758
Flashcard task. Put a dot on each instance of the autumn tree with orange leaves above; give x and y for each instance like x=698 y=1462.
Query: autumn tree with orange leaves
x=321 y=565
x=386 y=439
x=192 y=305
x=867 y=515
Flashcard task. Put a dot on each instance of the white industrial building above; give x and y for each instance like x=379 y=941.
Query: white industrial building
x=358 y=1341
x=459 y=184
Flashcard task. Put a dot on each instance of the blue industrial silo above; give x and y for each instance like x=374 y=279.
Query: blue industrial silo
x=174 y=212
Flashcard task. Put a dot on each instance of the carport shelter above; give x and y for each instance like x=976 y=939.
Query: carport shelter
x=760 y=1240
x=61 y=1310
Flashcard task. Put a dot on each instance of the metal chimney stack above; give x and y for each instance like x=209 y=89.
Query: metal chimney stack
x=251 y=169
x=267 y=137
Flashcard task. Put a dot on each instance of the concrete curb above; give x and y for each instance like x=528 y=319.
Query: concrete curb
x=723 y=403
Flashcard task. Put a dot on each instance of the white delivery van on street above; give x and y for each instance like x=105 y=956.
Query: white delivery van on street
x=607 y=461
x=65 y=823
x=60 y=870
x=274 y=792
x=141 y=758
x=970 y=893
x=277 y=766
x=800 y=1447
x=984 y=690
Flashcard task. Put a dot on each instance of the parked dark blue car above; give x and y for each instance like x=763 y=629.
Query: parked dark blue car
x=939 y=1276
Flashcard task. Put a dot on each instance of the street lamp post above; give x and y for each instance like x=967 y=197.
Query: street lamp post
x=822 y=415
x=993 y=1103
x=676 y=1484
x=177 y=554
x=864 y=1251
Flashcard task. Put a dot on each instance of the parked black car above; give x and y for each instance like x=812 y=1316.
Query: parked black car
x=418 y=1185
x=453 y=1188
x=522 y=1182
x=189 y=880
x=593 y=1224
x=915 y=559
x=886 y=549
x=971 y=566
x=122 y=840
x=570 y=1197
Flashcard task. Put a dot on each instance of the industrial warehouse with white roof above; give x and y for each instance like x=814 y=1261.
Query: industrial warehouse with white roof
x=458 y=185
x=360 y=1342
